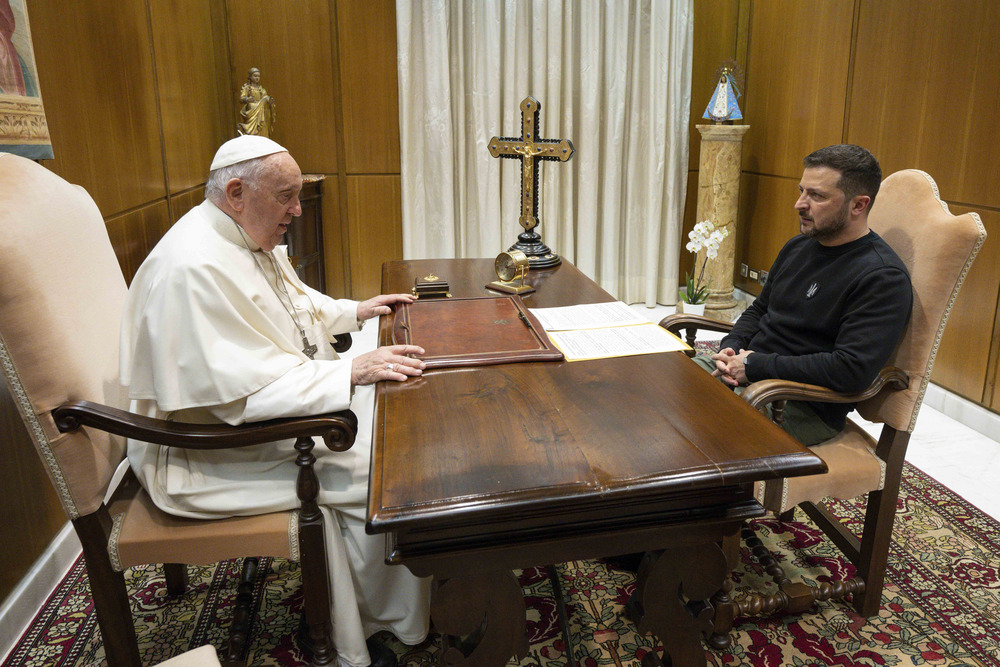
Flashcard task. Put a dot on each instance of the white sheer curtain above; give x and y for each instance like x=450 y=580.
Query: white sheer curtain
x=612 y=76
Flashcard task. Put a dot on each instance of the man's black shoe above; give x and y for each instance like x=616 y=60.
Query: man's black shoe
x=381 y=655
x=627 y=562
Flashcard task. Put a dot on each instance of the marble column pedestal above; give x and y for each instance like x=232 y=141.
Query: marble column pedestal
x=718 y=200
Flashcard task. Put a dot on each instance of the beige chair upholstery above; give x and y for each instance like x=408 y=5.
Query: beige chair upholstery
x=853 y=469
x=203 y=656
x=938 y=249
x=59 y=331
x=61 y=298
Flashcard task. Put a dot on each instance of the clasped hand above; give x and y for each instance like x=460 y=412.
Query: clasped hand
x=392 y=362
x=730 y=366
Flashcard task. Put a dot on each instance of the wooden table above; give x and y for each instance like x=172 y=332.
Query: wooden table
x=478 y=471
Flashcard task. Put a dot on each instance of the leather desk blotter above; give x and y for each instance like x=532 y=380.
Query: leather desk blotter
x=473 y=332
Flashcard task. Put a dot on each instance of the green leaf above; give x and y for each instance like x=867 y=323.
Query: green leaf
x=694 y=294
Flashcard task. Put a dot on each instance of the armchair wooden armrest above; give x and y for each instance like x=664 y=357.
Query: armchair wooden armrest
x=342 y=342
x=690 y=324
x=761 y=393
x=338 y=429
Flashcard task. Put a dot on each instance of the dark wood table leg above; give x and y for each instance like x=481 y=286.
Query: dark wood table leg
x=722 y=602
x=563 y=615
x=481 y=618
x=673 y=600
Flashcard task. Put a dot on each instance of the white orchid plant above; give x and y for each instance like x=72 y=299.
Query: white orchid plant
x=705 y=236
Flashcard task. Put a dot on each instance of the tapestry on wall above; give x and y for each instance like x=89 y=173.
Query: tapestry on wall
x=23 y=130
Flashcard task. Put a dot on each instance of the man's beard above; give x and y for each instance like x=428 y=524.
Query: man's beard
x=833 y=227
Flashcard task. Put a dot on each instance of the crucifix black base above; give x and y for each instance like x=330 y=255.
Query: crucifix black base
x=540 y=256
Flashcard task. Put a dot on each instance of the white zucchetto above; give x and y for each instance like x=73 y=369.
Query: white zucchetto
x=244 y=147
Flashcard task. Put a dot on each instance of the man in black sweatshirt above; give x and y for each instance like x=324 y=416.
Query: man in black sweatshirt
x=836 y=300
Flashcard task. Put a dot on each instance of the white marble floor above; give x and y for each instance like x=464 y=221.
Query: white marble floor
x=962 y=458
x=965 y=461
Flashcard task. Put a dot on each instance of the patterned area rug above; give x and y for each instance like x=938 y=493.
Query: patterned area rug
x=941 y=604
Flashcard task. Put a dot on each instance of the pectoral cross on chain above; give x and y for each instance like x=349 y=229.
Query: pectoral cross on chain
x=308 y=348
x=530 y=149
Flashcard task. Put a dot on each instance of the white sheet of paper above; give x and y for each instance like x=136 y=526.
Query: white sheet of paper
x=606 y=342
x=587 y=316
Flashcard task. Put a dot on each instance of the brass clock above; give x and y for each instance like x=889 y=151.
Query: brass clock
x=511 y=267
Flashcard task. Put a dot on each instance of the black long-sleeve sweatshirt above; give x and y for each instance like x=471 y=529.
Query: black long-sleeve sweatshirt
x=829 y=316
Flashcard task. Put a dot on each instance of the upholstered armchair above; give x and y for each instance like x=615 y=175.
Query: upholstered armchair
x=203 y=656
x=938 y=248
x=61 y=297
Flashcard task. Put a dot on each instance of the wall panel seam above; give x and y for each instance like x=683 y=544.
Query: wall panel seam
x=159 y=109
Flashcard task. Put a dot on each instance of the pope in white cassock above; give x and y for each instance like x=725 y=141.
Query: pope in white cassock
x=218 y=328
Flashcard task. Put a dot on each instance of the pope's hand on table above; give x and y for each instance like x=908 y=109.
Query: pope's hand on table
x=386 y=363
x=381 y=305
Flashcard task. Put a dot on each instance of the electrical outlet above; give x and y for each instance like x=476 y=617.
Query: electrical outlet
x=763 y=277
x=754 y=274
x=743 y=270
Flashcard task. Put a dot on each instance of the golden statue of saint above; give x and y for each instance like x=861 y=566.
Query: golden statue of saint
x=258 y=107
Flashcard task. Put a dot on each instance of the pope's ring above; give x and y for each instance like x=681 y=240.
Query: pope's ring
x=391 y=367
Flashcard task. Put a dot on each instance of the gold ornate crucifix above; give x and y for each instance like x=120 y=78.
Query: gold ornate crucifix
x=529 y=149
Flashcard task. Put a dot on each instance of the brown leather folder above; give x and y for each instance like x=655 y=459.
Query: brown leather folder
x=473 y=332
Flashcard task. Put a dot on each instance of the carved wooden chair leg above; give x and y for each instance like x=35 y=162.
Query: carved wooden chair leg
x=315 y=576
x=778 y=412
x=875 y=550
x=690 y=335
x=176 y=577
x=107 y=587
x=243 y=613
x=881 y=510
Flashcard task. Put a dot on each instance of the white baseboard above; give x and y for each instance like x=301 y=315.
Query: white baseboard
x=23 y=603
x=962 y=410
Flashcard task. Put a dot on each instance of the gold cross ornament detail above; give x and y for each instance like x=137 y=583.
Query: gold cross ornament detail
x=529 y=149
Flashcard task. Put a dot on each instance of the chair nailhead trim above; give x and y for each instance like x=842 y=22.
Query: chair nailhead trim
x=116 y=532
x=27 y=411
x=293 y=535
x=951 y=301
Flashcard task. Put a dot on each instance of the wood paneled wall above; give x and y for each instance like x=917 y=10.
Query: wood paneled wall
x=371 y=140
x=139 y=94
x=331 y=66
x=915 y=82
x=929 y=97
